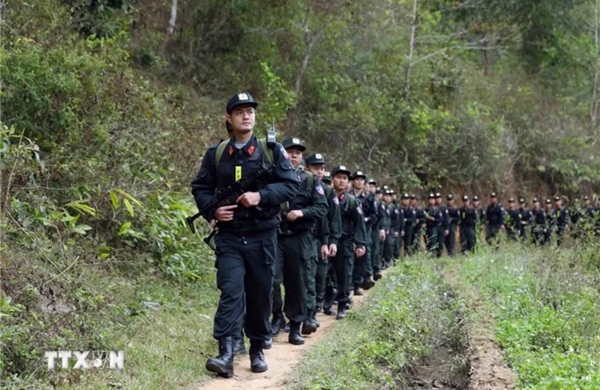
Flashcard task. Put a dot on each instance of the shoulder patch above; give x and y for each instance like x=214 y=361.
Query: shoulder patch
x=319 y=189
x=284 y=153
x=336 y=200
x=359 y=209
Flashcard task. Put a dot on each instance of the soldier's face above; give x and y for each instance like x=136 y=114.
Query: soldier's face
x=372 y=188
x=317 y=169
x=359 y=183
x=451 y=203
x=405 y=202
x=558 y=203
x=466 y=203
x=295 y=156
x=493 y=200
x=340 y=182
x=414 y=202
x=431 y=201
x=242 y=118
x=511 y=206
x=587 y=203
x=438 y=201
x=387 y=198
x=476 y=203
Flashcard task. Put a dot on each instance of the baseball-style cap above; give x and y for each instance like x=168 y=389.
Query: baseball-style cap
x=493 y=195
x=326 y=177
x=548 y=201
x=405 y=195
x=372 y=181
x=358 y=174
x=438 y=195
x=239 y=99
x=315 y=159
x=465 y=198
x=475 y=197
x=536 y=200
x=511 y=200
x=450 y=197
x=293 y=143
x=521 y=201
x=556 y=198
x=586 y=198
x=341 y=169
x=431 y=196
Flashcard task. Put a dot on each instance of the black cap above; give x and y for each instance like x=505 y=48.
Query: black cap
x=358 y=174
x=511 y=200
x=465 y=198
x=548 y=201
x=379 y=190
x=450 y=197
x=392 y=192
x=438 y=195
x=293 y=143
x=326 y=177
x=413 y=196
x=386 y=191
x=493 y=195
x=239 y=99
x=315 y=158
x=406 y=195
x=475 y=197
x=586 y=198
x=535 y=200
x=372 y=181
x=556 y=198
x=340 y=169
x=521 y=201
x=431 y=196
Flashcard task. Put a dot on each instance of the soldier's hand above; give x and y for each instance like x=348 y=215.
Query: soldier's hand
x=324 y=252
x=249 y=199
x=503 y=227
x=395 y=234
x=402 y=233
x=446 y=232
x=294 y=214
x=332 y=250
x=225 y=213
x=360 y=251
x=382 y=235
x=213 y=223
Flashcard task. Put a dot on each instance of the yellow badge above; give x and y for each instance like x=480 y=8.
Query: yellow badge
x=238 y=172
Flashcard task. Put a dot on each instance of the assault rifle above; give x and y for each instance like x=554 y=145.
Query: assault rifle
x=228 y=196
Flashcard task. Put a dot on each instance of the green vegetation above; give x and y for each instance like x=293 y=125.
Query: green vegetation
x=545 y=307
x=105 y=112
x=410 y=314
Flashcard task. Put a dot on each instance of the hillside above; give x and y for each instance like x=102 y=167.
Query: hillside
x=107 y=106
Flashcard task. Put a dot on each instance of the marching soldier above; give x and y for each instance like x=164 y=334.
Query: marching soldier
x=513 y=222
x=434 y=220
x=525 y=218
x=410 y=221
x=538 y=231
x=550 y=221
x=453 y=216
x=561 y=216
x=467 y=223
x=353 y=239
x=494 y=217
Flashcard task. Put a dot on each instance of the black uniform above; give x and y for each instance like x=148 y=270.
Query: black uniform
x=494 y=215
x=434 y=220
x=362 y=266
x=453 y=216
x=538 y=230
x=467 y=223
x=245 y=246
x=561 y=218
x=418 y=230
x=525 y=218
x=513 y=224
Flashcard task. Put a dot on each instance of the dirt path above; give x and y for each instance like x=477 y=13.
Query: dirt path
x=489 y=370
x=281 y=358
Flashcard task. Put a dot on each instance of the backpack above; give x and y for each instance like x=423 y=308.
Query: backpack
x=263 y=145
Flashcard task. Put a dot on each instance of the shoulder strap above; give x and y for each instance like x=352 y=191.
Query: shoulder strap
x=220 y=151
x=266 y=149
x=262 y=144
x=311 y=179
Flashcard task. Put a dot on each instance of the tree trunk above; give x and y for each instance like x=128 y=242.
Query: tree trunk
x=409 y=64
x=171 y=27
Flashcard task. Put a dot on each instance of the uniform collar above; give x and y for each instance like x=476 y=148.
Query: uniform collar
x=249 y=149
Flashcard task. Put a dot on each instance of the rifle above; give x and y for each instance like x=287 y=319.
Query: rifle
x=229 y=195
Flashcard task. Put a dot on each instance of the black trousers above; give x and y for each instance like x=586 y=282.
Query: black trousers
x=245 y=269
x=450 y=240
x=468 y=239
x=342 y=263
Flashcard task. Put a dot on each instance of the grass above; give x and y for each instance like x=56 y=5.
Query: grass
x=544 y=302
x=163 y=325
x=407 y=316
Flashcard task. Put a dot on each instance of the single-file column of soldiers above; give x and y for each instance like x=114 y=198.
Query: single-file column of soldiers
x=306 y=241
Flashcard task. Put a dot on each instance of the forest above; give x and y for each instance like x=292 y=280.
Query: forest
x=107 y=106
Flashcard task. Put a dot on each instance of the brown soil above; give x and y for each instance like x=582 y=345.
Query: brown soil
x=281 y=358
x=488 y=370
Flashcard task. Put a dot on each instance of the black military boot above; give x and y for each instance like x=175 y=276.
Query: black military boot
x=341 y=312
x=377 y=276
x=295 y=337
x=308 y=326
x=314 y=319
x=257 y=357
x=222 y=365
x=327 y=310
x=367 y=283
x=268 y=344
x=277 y=324
x=357 y=290
x=239 y=348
